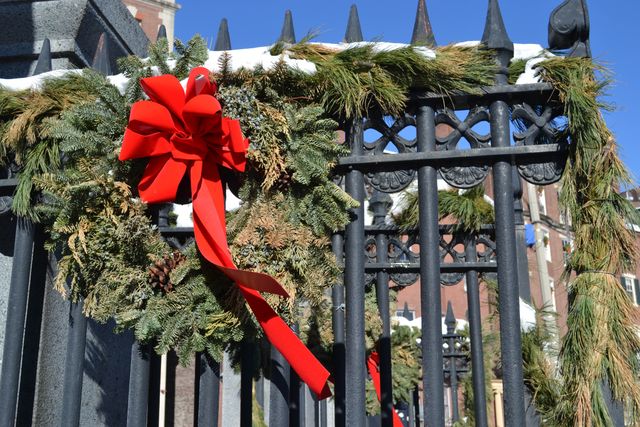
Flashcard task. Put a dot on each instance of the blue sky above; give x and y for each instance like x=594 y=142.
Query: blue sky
x=615 y=35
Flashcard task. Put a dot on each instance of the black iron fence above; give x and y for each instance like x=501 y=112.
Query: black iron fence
x=432 y=253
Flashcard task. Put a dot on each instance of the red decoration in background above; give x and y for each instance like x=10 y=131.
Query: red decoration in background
x=186 y=133
x=373 y=365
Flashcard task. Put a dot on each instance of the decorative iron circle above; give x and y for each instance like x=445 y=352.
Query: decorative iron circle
x=538 y=127
x=390 y=181
x=458 y=176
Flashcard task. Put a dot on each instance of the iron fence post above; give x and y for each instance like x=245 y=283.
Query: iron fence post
x=432 y=375
x=354 y=279
x=207 y=390
x=475 y=335
x=139 y=385
x=337 y=300
x=279 y=390
x=379 y=204
x=495 y=37
x=247 y=368
x=74 y=366
x=14 y=326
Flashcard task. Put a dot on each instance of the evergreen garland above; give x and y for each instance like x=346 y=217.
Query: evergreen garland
x=602 y=343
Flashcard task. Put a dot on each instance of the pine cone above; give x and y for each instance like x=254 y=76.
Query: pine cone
x=159 y=272
x=284 y=181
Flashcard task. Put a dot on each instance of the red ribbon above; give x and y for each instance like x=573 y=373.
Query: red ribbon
x=186 y=133
x=373 y=364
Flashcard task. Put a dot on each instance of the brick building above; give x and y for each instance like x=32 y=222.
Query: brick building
x=153 y=13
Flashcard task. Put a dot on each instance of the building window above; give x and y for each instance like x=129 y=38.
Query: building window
x=552 y=287
x=630 y=284
x=546 y=241
x=542 y=201
x=567 y=248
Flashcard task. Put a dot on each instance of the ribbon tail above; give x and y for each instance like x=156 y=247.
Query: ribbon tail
x=212 y=243
x=308 y=368
x=373 y=365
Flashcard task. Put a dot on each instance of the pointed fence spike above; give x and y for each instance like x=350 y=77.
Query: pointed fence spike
x=495 y=33
x=44 y=59
x=405 y=311
x=422 y=30
x=101 y=62
x=450 y=319
x=223 y=41
x=288 y=34
x=354 y=31
x=162 y=33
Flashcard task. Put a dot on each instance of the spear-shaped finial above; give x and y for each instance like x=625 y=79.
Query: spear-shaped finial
x=495 y=33
x=450 y=319
x=44 y=59
x=101 y=62
x=162 y=33
x=422 y=31
x=354 y=31
x=406 y=313
x=287 y=35
x=223 y=41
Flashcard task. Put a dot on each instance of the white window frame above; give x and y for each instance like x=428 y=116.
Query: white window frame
x=542 y=201
x=630 y=287
x=547 y=247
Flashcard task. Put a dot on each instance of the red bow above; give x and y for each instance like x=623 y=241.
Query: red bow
x=373 y=365
x=187 y=133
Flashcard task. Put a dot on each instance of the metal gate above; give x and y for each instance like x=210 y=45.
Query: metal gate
x=369 y=172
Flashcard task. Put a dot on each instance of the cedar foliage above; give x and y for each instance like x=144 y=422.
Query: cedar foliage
x=356 y=80
x=468 y=208
x=601 y=343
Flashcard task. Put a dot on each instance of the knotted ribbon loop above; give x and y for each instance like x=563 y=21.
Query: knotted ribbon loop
x=186 y=133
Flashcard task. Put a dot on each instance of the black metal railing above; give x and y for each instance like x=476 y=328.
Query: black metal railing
x=435 y=254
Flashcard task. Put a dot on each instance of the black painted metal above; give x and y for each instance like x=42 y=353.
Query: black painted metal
x=153 y=405
x=14 y=326
x=451 y=367
x=279 y=390
x=74 y=366
x=337 y=297
x=139 y=372
x=380 y=204
x=495 y=37
x=354 y=288
x=354 y=31
x=207 y=391
x=432 y=375
x=296 y=415
x=223 y=41
x=422 y=31
x=288 y=34
x=247 y=368
x=32 y=331
x=475 y=335
x=44 y=58
x=569 y=28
